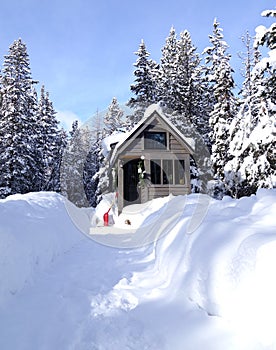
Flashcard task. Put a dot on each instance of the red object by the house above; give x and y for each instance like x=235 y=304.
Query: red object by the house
x=105 y=217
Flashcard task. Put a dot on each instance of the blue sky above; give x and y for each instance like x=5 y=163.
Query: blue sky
x=82 y=50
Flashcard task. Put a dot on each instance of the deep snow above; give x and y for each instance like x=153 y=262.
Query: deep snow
x=211 y=288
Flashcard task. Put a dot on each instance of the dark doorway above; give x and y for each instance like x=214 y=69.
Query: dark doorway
x=131 y=179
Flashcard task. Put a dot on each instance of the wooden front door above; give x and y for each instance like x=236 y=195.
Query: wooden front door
x=131 y=179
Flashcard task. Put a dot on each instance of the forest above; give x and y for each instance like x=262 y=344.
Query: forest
x=195 y=90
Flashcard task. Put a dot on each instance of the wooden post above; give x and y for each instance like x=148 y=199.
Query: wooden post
x=188 y=172
x=120 y=186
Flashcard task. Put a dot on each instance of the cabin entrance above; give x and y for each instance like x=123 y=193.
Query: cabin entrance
x=131 y=180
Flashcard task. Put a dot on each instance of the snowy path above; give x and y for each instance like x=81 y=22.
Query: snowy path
x=54 y=311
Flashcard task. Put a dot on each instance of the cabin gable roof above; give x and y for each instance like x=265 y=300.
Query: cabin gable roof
x=154 y=112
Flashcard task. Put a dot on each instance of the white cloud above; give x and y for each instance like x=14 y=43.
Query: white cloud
x=66 y=118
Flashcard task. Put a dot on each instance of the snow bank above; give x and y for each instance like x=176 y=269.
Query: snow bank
x=226 y=267
x=35 y=229
x=218 y=280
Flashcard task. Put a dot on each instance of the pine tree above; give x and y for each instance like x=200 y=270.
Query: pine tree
x=20 y=161
x=113 y=118
x=167 y=87
x=267 y=37
x=243 y=124
x=51 y=142
x=73 y=165
x=145 y=86
x=93 y=163
x=61 y=141
x=253 y=143
x=189 y=104
x=263 y=138
x=220 y=77
x=249 y=59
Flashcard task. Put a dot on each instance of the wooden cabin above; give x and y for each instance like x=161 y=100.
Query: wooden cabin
x=151 y=161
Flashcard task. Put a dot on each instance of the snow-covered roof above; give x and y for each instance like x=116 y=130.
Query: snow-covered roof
x=149 y=113
x=110 y=140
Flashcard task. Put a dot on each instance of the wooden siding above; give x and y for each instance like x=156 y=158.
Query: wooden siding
x=155 y=125
x=163 y=191
x=136 y=145
x=175 y=146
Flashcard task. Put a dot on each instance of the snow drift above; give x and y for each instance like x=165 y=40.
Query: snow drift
x=218 y=282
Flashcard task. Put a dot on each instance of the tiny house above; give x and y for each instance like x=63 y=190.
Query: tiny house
x=151 y=161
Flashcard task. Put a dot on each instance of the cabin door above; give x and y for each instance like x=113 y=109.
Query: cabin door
x=131 y=179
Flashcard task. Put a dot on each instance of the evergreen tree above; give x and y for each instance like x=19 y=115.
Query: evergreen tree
x=93 y=163
x=113 y=118
x=189 y=90
x=61 y=141
x=220 y=77
x=253 y=142
x=20 y=161
x=73 y=165
x=243 y=124
x=145 y=86
x=267 y=37
x=263 y=140
x=250 y=58
x=168 y=88
x=50 y=141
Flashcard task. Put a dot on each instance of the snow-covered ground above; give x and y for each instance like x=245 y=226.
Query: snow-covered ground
x=212 y=287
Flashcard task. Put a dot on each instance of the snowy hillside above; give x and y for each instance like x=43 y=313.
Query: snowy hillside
x=213 y=288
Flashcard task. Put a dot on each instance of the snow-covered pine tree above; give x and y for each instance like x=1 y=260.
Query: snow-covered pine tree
x=185 y=82
x=267 y=37
x=261 y=171
x=145 y=83
x=250 y=58
x=253 y=142
x=49 y=141
x=20 y=161
x=93 y=163
x=190 y=114
x=73 y=165
x=243 y=124
x=113 y=118
x=167 y=87
x=113 y=125
x=54 y=183
x=189 y=95
x=220 y=77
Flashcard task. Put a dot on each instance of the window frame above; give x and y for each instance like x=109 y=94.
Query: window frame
x=160 y=162
x=161 y=148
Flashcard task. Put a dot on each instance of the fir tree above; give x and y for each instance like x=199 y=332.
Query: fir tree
x=49 y=140
x=20 y=161
x=267 y=37
x=145 y=83
x=189 y=89
x=167 y=88
x=220 y=77
x=113 y=118
x=73 y=165
x=93 y=163
x=249 y=59
x=263 y=135
x=253 y=142
x=242 y=124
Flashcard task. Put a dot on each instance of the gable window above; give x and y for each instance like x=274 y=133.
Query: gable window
x=167 y=171
x=155 y=140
